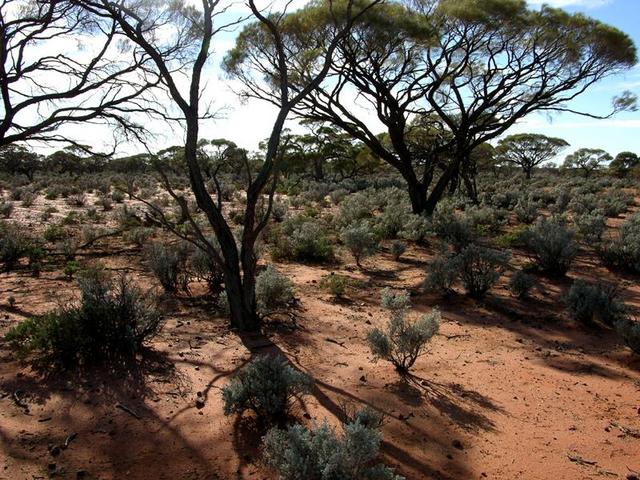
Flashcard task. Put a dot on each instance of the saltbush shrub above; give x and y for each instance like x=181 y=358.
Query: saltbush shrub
x=454 y=229
x=266 y=386
x=335 y=284
x=591 y=226
x=521 y=283
x=442 y=274
x=398 y=247
x=403 y=341
x=526 y=210
x=6 y=209
x=553 y=246
x=299 y=453
x=273 y=290
x=360 y=240
x=479 y=268
x=113 y=319
x=14 y=244
x=629 y=331
x=167 y=262
x=623 y=251
x=587 y=302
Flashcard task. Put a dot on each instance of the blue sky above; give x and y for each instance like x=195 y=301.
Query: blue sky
x=620 y=133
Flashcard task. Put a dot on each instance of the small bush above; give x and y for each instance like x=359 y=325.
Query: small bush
x=309 y=242
x=587 y=302
x=454 y=229
x=442 y=274
x=398 y=247
x=77 y=200
x=13 y=245
x=273 y=290
x=138 y=236
x=526 y=210
x=591 y=226
x=479 y=268
x=206 y=269
x=335 y=284
x=403 y=341
x=521 y=283
x=112 y=319
x=265 y=386
x=168 y=265
x=360 y=240
x=298 y=453
x=623 y=251
x=629 y=331
x=6 y=209
x=54 y=233
x=553 y=246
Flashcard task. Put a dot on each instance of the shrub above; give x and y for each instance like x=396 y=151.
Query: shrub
x=168 y=265
x=397 y=249
x=117 y=196
x=624 y=250
x=442 y=274
x=298 y=453
x=112 y=319
x=138 y=235
x=279 y=210
x=454 y=229
x=553 y=246
x=265 y=386
x=206 y=269
x=105 y=202
x=273 y=290
x=587 y=302
x=335 y=284
x=520 y=283
x=591 y=226
x=300 y=238
x=479 y=268
x=28 y=199
x=415 y=228
x=77 y=200
x=629 y=331
x=403 y=341
x=68 y=248
x=354 y=208
x=360 y=240
x=526 y=210
x=13 y=245
x=54 y=233
x=71 y=268
x=6 y=209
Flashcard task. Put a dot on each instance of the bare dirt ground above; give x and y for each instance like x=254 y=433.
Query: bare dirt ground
x=510 y=389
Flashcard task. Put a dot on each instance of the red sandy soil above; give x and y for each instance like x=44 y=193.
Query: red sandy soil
x=509 y=389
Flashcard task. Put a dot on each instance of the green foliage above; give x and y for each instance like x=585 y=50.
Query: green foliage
x=623 y=251
x=55 y=233
x=113 y=319
x=587 y=302
x=591 y=226
x=301 y=238
x=266 y=386
x=526 y=210
x=587 y=159
x=442 y=274
x=397 y=249
x=403 y=341
x=14 y=244
x=629 y=331
x=298 y=453
x=360 y=240
x=479 y=268
x=6 y=209
x=454 y=229
x=167 y=262
x=273 y=290
x=335 y=284
x=553 y=246
x=521 y=283
x=71 y=268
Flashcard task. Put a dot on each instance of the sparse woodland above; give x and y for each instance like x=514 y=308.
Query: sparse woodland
x=436 y=298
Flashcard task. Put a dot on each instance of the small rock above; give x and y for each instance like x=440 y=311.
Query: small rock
x=457 y=444
x=54 y=451
x=363 y=378
x=81 y=474
x=199 y=403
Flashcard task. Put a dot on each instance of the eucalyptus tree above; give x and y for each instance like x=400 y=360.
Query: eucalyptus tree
x=624 y=163
x=587 y=159
x=179 y=37
x=467 y=69
x=59 y=66
x=528 y=150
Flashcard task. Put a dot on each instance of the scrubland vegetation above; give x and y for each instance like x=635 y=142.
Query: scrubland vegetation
x=341 y=303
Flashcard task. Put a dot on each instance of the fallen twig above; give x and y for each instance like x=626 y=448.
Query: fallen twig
x=579 y=460
x=128 y=410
